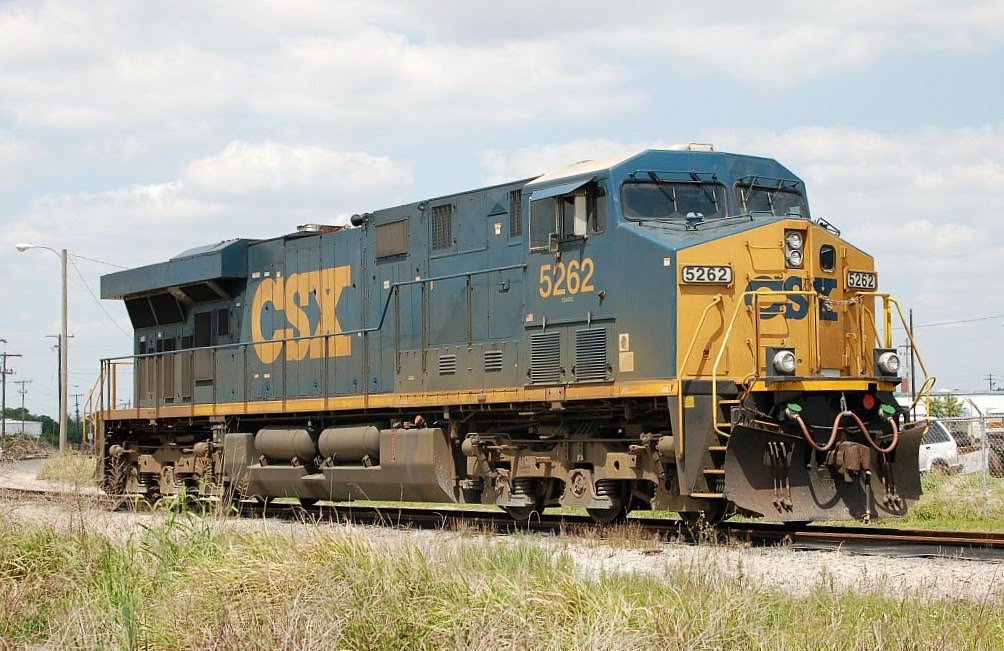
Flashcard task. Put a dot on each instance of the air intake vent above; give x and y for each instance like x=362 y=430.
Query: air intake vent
x=591 y=355
x=442 y=227
x=515 y=213
x=493 y=360
x=447 y=364
x=545 y=358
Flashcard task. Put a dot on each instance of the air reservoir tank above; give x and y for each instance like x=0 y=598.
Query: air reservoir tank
x=281 y=444
x=350 y=444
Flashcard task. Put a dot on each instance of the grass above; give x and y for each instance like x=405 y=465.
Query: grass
x=189 y=583
x=70 y=468
x=955 y=502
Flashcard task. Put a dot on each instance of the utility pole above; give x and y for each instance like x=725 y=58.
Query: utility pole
x=4 y=373
x=990 y=379
x=23 y=391
x=76 y=403
x=61 y=348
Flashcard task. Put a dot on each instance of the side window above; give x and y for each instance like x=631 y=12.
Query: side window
x=573 y=215
x=597 y=210
x=569 y=216
x=542 y=222
x=936 y=434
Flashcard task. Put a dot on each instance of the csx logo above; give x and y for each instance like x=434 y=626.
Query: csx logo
x=797 y=306
x=299 y=305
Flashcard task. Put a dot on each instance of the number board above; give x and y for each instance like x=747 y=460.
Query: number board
x=707 y=274
x=867 y=280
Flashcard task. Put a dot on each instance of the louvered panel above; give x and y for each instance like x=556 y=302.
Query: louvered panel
x=447 y=364
x=591 y=355
x=442 y=227
x=493 y=360
x=515 y=213
x=545 y=358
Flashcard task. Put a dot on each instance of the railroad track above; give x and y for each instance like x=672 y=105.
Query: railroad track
x=869 y=540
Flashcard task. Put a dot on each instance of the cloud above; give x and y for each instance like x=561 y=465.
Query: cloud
x=247 y=189
x=506 y=165
x=295 y=175
x=117 y=66
x=14 y=154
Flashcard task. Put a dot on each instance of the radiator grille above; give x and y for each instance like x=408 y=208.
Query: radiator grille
x=442 y=227
x=447 y=364
x=515 y=213
x=545 y=358
x=493 y=360
x=591 y=354
x=392 y=238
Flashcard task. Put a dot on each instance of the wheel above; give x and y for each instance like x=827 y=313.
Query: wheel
x=524 y=513
x=609 y=515
x=940 y=467
x=521 y=513
x=707 y=517
x=307 y=502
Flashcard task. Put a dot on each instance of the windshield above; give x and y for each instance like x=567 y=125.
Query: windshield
x=673 y=200
x=779 y=200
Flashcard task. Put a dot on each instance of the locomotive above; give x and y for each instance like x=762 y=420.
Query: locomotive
x=669 y=329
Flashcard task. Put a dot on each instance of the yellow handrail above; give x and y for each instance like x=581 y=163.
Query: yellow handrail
x=886 y=337
x=680 y=451
x=740 y=303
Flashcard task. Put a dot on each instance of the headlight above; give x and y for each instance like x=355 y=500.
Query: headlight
x=888 y=363
x=793 y=242
x=784 y=362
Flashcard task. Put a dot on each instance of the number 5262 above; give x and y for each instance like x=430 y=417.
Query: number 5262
x=566 y=278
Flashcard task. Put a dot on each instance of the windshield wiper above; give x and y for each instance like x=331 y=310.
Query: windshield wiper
x=772 y=195
x=708 y=194
x=669 y=192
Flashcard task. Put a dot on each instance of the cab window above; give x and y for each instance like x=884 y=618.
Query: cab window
x=780 y=198
x=660 y=200
x=567 y=217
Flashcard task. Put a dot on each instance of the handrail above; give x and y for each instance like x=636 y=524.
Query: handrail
x=392 y=291
x=886 y=336
x=740 y=303
x=925 y=390
x=343 y=333
x=680 y=449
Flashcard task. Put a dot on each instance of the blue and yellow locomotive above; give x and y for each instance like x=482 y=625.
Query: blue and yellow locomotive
x=669 y=330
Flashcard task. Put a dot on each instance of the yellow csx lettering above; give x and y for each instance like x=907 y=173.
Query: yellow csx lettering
x=301 y=305
x=562 y=278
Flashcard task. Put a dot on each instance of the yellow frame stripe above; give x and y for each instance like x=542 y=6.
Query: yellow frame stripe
x=634 y=389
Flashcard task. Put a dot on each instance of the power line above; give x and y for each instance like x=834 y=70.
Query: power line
x=945 y=323
x=102 y=307
x=110 y=264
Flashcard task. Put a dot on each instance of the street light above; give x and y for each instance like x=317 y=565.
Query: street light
x=63 y=342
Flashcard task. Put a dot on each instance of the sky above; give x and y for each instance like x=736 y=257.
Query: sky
x=130 y=132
